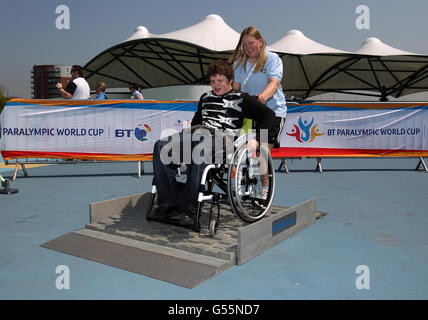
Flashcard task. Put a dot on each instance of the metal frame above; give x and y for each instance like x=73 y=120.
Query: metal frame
x=175 y=58
x=422 y=162
x=320 y=170
x=409 y=82
x=155 y=52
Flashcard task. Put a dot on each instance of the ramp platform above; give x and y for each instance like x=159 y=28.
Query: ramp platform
x=119 y=235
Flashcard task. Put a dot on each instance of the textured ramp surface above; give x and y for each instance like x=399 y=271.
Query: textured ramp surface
x=163 y=266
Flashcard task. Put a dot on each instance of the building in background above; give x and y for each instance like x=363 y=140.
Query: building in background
x=45 y=77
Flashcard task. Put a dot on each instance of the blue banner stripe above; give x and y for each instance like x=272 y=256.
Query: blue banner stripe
x=192 y=106
x=318 y=108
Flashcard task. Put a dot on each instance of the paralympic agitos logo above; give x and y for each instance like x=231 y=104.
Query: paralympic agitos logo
x=305 y=132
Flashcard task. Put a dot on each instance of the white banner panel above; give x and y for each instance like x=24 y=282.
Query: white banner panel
x=126 y=130
x=120 y=130
x=355 y=129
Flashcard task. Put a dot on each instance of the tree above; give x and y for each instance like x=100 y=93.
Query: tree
x=3 y=101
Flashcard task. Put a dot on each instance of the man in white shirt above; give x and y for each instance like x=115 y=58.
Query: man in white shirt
x=77 y=88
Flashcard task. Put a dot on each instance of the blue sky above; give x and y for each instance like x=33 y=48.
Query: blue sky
x=29 y=36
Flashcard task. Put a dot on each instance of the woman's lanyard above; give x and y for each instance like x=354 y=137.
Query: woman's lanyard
x=248 y=75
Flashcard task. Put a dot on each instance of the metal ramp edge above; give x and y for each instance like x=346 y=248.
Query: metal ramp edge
x=168 y=264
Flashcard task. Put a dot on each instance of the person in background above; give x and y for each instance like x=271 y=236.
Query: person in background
x=100 y=89
x=135 y=94
x=259 y=72
x=77 y=88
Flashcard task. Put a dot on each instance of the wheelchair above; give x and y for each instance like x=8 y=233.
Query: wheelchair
x=237 y=182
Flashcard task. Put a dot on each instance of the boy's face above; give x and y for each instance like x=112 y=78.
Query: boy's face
x=220 y=84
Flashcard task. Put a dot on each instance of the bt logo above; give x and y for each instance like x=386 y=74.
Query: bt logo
x=141 y=132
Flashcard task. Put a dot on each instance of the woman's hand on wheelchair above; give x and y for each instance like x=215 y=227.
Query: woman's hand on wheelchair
x=252 y=145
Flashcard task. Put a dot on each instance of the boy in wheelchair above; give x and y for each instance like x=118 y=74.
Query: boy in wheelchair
x=219 y=119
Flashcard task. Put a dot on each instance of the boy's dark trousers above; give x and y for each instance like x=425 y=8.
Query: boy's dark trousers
x=171 y=192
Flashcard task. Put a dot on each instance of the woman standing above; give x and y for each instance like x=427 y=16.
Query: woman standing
x=259 y=72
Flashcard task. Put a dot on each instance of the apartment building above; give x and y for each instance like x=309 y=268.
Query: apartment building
x=45 y=77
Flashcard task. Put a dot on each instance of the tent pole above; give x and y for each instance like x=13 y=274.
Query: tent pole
x=318 y=168
x=283 y=164
x=421 y=162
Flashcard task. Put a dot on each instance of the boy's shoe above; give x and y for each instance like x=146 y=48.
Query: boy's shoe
x=263 y=194
x=261 y=198
x=186 y=217
x=159 y=213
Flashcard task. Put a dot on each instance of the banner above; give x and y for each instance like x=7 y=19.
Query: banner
x=123 y=130
x=355 y=129
x=126 y=130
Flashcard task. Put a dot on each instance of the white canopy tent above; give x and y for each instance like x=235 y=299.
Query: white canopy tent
x=312 y=68
x=212 y=33
x=396 y=72
x=181 y=58
x=304 y=62
x=176 y=58
x=375 y=67
x=375 y=47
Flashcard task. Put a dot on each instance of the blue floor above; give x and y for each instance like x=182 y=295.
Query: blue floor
x=377 y=217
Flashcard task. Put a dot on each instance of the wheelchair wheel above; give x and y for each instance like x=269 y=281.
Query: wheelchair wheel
x=245 y=190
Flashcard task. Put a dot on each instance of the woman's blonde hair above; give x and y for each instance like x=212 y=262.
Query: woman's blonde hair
x=239 y=57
